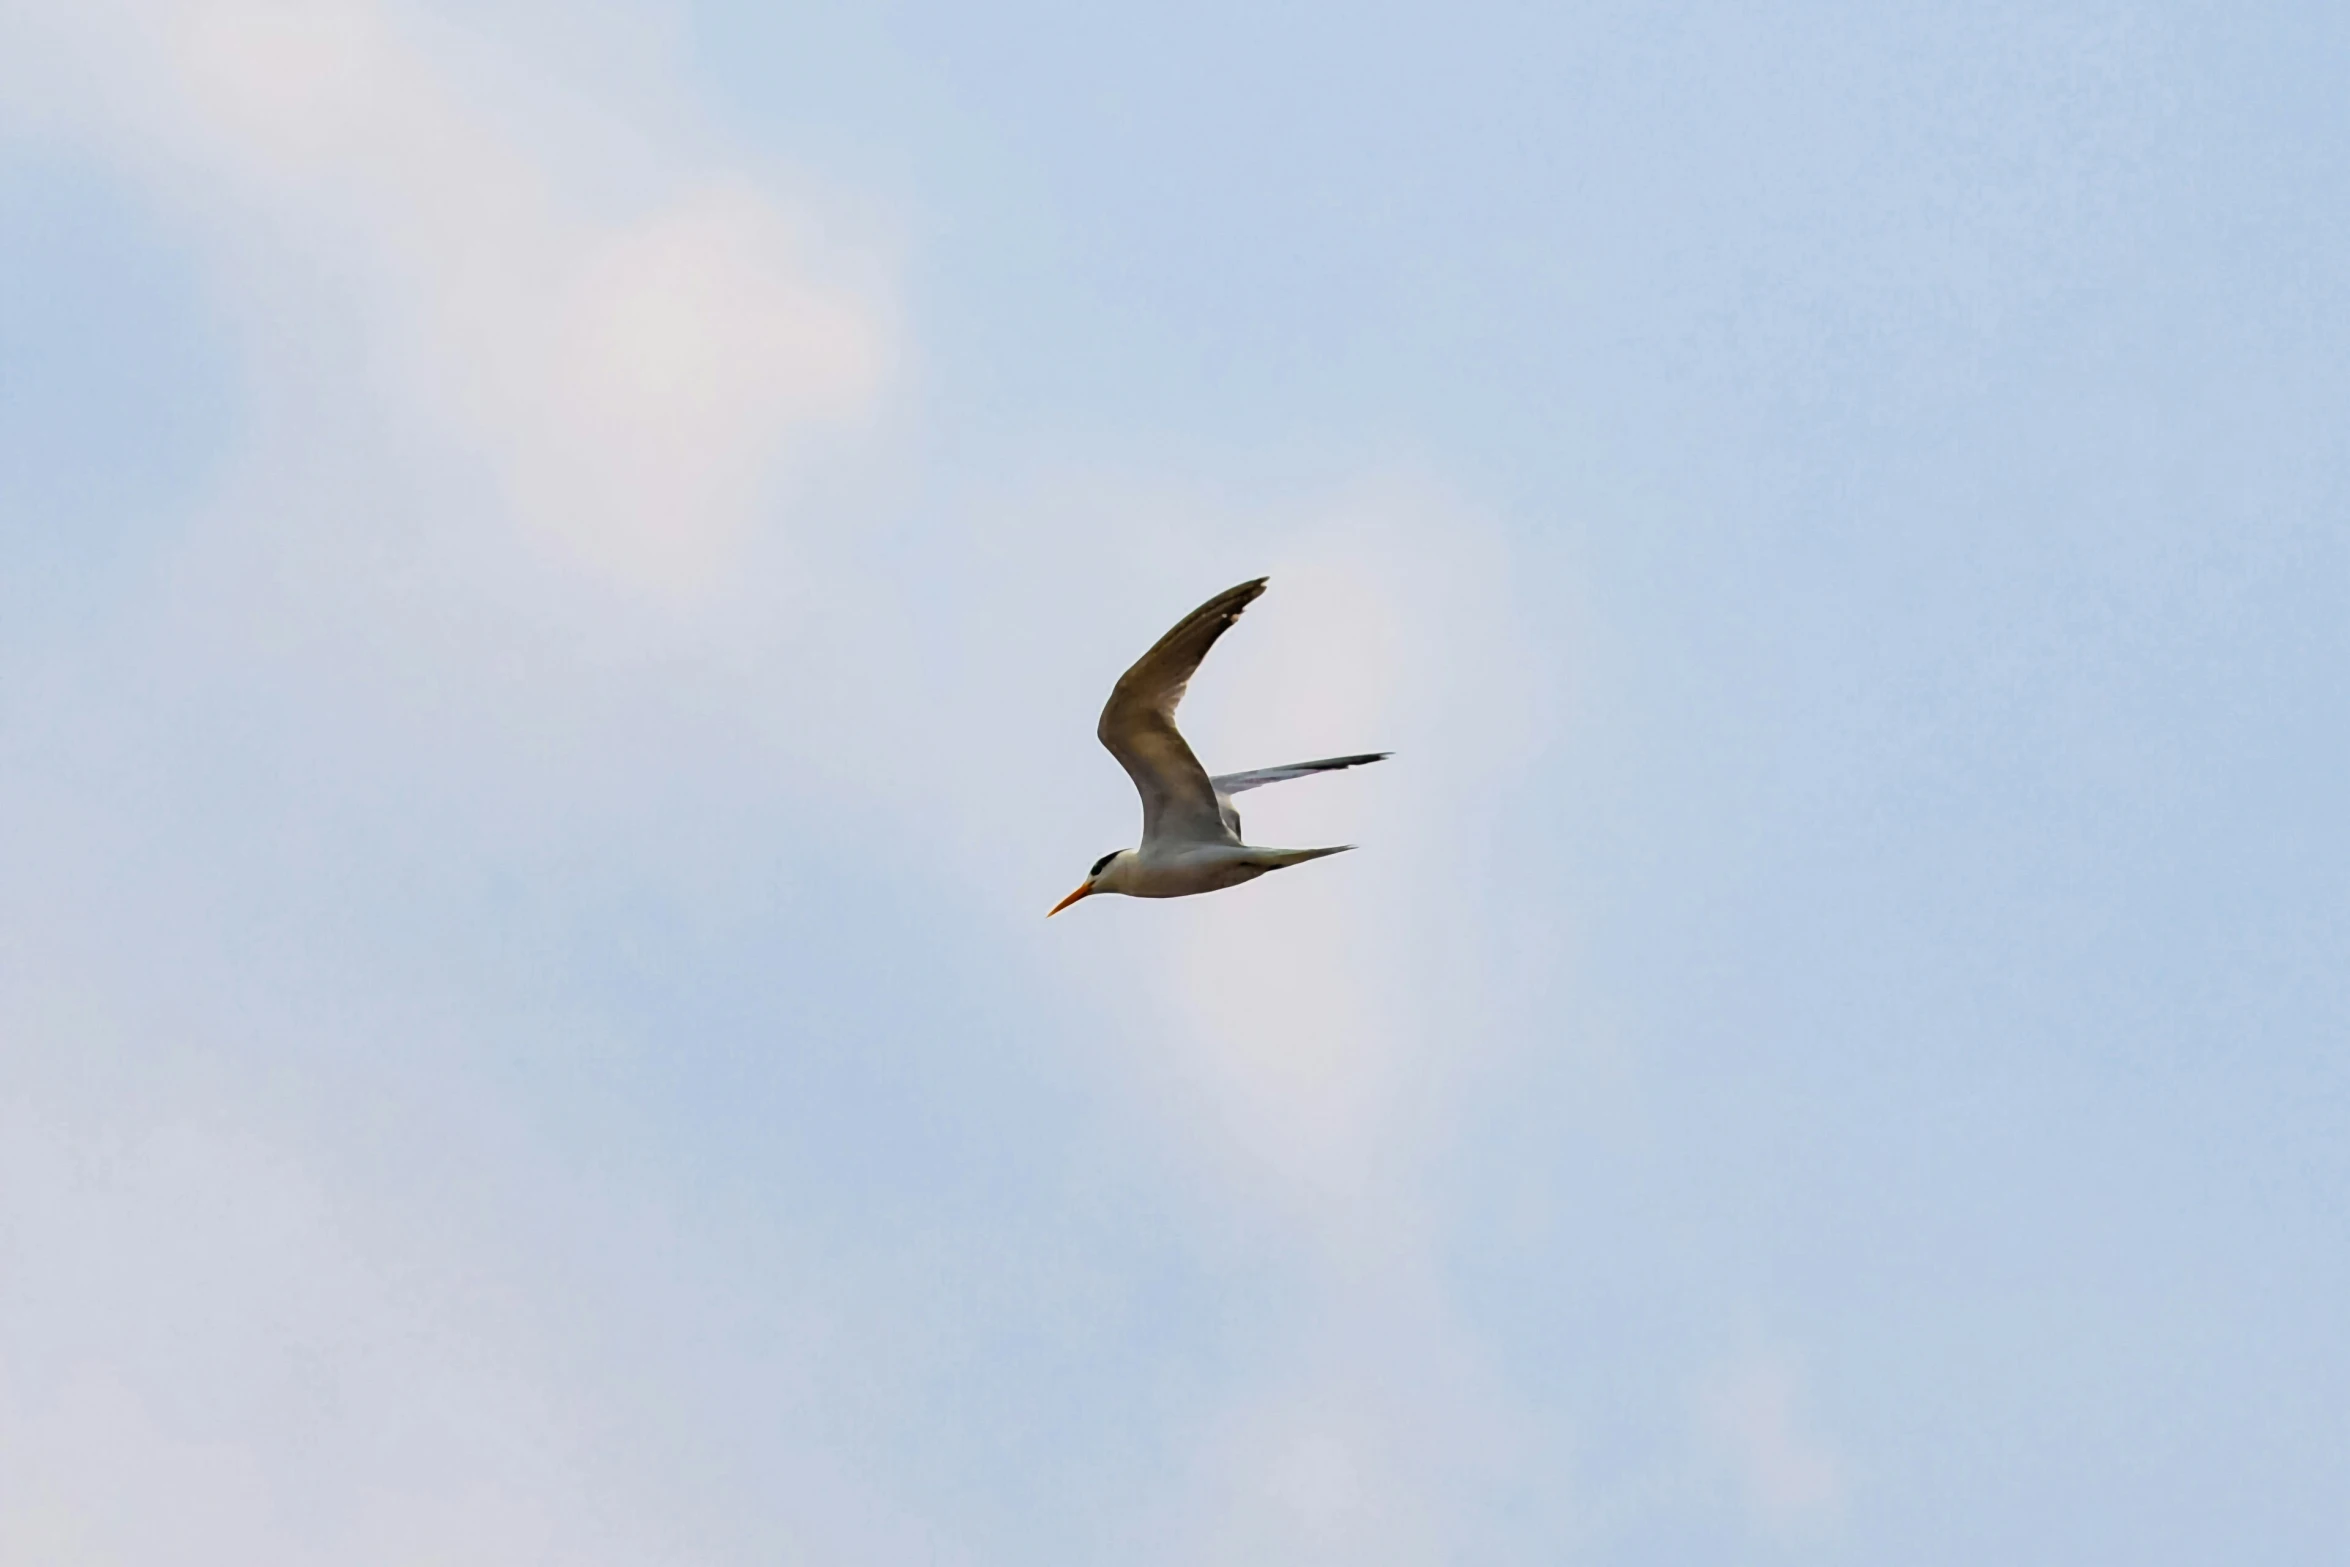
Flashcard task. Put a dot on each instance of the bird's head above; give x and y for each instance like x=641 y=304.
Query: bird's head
x=1102 y=878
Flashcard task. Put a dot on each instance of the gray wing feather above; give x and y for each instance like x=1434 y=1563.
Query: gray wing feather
x=1227 y=785
x=1234 y=783
x=1138 y=725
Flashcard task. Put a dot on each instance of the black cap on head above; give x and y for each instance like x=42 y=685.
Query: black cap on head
x=1104 y=860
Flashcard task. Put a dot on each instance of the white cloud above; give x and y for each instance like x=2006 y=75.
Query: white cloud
x=1384 y=1437
x=691 y=352
x=472 y=336
x=638 y=363
x=1792 y=1481
x=203 y=1363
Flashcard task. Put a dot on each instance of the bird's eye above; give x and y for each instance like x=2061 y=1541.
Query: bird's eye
x=1098 y=864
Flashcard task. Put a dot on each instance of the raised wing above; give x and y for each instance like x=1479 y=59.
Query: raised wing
x=1138 y=725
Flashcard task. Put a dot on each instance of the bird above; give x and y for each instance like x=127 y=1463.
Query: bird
x=1190 y=831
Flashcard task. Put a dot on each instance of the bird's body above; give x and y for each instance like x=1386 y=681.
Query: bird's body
x=1190 y=829
x=1177 y=870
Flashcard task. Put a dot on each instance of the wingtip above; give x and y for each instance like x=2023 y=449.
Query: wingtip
x=1232 y=601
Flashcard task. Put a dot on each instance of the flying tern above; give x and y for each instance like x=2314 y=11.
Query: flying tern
x=1190 y=832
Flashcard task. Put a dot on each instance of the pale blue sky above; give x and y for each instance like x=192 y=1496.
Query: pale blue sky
x=556 y=571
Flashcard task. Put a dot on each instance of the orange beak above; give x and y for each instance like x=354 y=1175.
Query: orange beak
x=1081 y=892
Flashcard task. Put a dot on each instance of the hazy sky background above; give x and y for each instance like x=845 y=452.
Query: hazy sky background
x=557 y=567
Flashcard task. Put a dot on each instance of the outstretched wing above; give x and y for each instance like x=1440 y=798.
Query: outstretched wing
x=1227 y=785
x=1234 y=783
x=1138 y=725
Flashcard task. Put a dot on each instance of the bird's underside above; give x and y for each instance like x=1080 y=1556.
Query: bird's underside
x=1190 y=829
